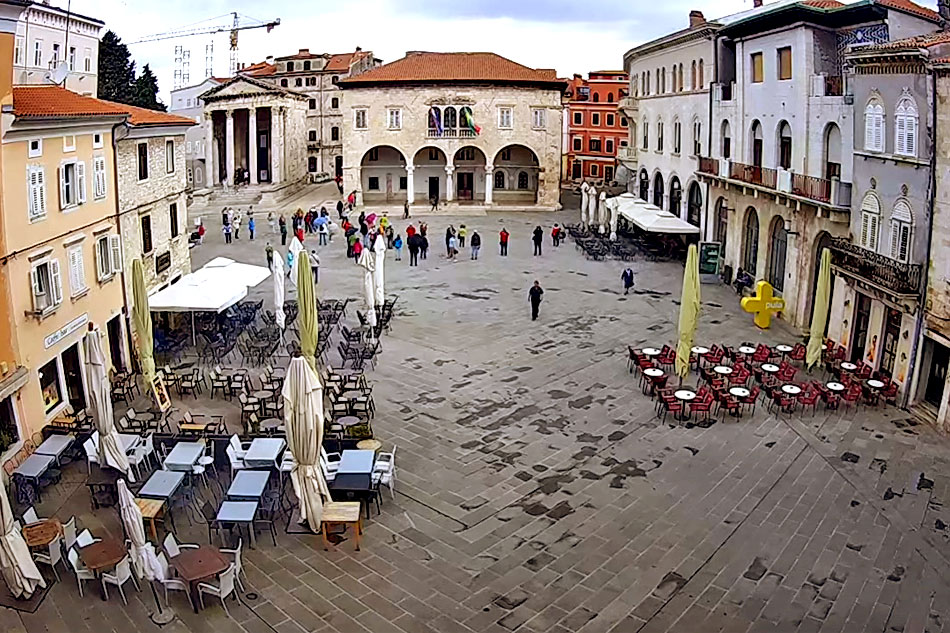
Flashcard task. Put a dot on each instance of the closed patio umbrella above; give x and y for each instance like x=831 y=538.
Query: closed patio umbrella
x=16 y=565
x=303 y=420
x=819 y=318
x=279 y=315
x=307 y=315
x=146 y=563
x=379 y=281
x=100 y=401
x=368 y=263
x=584 y=202
x=689 y=312
x=142 y=321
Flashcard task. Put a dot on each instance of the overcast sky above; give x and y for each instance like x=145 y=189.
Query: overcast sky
x=569 y=35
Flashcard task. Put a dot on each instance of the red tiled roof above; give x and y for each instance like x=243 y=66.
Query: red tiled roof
x=53 y=102
x=260 y=69
x=911 y=7
x=341 y=61
x=823 y=4
x=448 y=67
x=144 y=117
x=303 y=53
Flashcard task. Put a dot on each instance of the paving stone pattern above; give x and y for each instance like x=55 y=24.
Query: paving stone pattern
x=537 y=491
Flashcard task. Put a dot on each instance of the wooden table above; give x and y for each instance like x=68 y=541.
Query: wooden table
x=42 y=533
x=341 y=512
x=369 y=445
x=196 y=564
x=151 y=509
x=193 y=427
x=101 y=556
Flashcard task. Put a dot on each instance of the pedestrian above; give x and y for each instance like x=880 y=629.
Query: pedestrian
x=476 y=244
x=237 y=226
x=503 y=236
x=534 y=298
x=323 y=232
x=405 y=210
x=453 y=247
x=627 y=277
x=351 y=240
x=270 y=222
x=315 y=266
x=357 y=248
x=397 y=244
x=423 y=229
x=308 y=221
x=283 y=231
x=423 y=246
x=434 y=200
x=250 y=226
x=300 y=234
x=462 y=232
x=290 y=262
x=339 y=207
x=556 y=235
x=410 y=231
x=414 y=242
x=537 y=236
x=390 y=235
x=230 y=215
x=743 y=280
x=351 y=199
x=339 y=184
x=201 y=231
x=225 y=218
x=227 y=233
x=449 y=234
x=269 y=254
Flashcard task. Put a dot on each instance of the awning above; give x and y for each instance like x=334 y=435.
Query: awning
x=649 y=217
x=217 y=286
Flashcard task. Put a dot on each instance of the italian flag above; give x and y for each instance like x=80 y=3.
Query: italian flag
x=469 y=122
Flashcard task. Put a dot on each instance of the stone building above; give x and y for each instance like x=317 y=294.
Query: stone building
x=187 y=102
x=455 y=127
x=596 y=132
x=780 y=175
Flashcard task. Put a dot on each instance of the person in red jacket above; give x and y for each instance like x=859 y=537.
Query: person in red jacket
x=503 y=236
x=410 y=231
x=556 y=235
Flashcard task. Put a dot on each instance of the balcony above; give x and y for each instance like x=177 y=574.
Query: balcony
x=708 y=165
x=832 y=193
x=629 y=105
x=834 y=86
x=450 y=133
x=881 y=271
x=627 y=154
x=723 y=92
x=753 y=175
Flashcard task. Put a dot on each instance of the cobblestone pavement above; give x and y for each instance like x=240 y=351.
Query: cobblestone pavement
x=536 y=490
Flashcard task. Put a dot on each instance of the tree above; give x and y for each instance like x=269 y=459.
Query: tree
x=116 y=69
x=145 y=91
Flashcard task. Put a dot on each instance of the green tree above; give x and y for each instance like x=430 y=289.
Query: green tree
x=145 y=91
x=116 y=69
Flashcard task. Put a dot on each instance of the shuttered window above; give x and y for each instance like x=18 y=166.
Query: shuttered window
x=870 y=221
x=77 y=271
x=758 y=73
x=874 y=126
x=905 y=127
x=785 y=63
x=36 y=193
x=99 y=177
x=902 y=222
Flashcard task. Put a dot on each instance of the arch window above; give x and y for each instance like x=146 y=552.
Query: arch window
x=596 y=97
x=694 y=205
x=676 y=196
x=663 y=81
x=334 y=133
x=756 y=143
x=697 y=137
x=658 y=190
x=644 y=185
x=750 y=250
x=677 y=136
x=905 y=127
x=784 y=145
x=874 y=126
x=680 y=85
x=692 y=76
x=870 y=221
x=646 y=134
x=701 y=79
x=449 y=118
x=726 y=140
x=435 y=121
x=522 y=180
x=778 y=247
x=722 y=224
x=902 y=222
x=673 y=78
x=610 y=97
x=659 y=136
x=312 y=136
x=499 y=179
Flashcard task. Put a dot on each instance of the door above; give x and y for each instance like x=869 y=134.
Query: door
x=72 y=368
x=757 y=152
x=862 y=317
x=892 y=333
x=433 y=188
x=465 y=182
x=114 y=330
x=576 y=170
x=263 y=157
x=938 y=374
x=338 y=166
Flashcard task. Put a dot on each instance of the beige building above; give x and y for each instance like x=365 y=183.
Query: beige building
x=456 y=127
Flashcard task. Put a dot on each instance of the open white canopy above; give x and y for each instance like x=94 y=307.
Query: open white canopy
x=215 y=287
x=650 y=217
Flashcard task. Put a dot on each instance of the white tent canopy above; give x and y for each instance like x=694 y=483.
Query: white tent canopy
x=649 y=217
x=215 y=287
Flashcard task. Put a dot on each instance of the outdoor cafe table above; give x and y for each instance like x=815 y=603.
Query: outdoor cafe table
x=652 y=373
x=101 y=556
x=195 y=564
x=264 y=452
x=151 y=509
x=239 y=512
x=770 y=368
x=271 y=424
x=875 y=384
x=33 y=468
x=248 y=485
x=685 y=396
x=739 y=392
x=699 y=350
x=722 y=370
x=162 y=484
x=184 y=456
x=347 y=421
x=55 y=445
x=835 y=386
x=846 y=366
x=650 y=351
x=792 y=390
x=41 y=533
x=746 y=349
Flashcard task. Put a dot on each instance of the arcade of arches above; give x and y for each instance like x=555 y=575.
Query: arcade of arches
x=671 y=196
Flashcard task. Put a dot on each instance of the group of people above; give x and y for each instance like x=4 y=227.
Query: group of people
x=231 y=224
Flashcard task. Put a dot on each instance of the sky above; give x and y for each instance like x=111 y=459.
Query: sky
x=571 y=36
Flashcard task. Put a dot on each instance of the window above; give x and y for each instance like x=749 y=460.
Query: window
x=778 y=252
x=335 y=103
x=298 y=82
x=578 y=144
x=403 y=183
x=751 y=247
x=506 y=154
x=784 y=146
x=335 y=79
x=646 y=135
x=697 y=138
x=87 y=60
x=69 y=143
x=311 y=103
x=72 y=184
x=143 y=161
x=594 y=145
x=36 y=188
x=757 y=70
x=578 y=118
x=659 y=136
x=537 y=118
x=677 y=137
x=595 y=118
x=679 y=85
x=901 y=225
x=334 y=133
x=283 y=83
x=290 y=67
x=359 y=119
x=49 y=385
x=173 y=219
x=146 y=223
x=596 y=98
x=692 y=76
x=36 y=148
x=54 y=61
x=373 y=154
x=108 y=256
x=611 y=120
x=608 y=173
x=701 y=78
x=77 y=272
x=373 y=183
x=610 y=97
x=191 y=175
x=784 y=63
x=312 y=136
x=306 y=65
x=18 y=52
x=504 y=118
x=623 y=121
x=522 y=180
x=38 y=53
x=609 y=146
x=99 y=177
x=499 y=180
x=905 y=127
x=97 y=140
x=169 y=157
x=47 y=286
x=465 y=153
x=874 y=126
x=394 y=118
x=72 y=58
x=594 y=169
x=870 y=221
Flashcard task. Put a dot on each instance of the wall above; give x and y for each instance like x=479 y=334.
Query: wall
x=185 y=102
x=48 y=26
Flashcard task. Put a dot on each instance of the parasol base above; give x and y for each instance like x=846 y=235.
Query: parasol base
x=161 y=618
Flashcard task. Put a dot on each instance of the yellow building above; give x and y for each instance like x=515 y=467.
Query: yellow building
x=60 y=251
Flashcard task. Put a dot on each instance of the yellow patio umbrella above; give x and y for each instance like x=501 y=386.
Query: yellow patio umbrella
x=142 y=321
x=689 y=312
x=819 y=317
x=307 y=303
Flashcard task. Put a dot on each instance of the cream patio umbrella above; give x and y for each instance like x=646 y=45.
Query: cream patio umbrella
x=584 y=203
x=145 y=561
x=142 y=322
x=307 y=314
x=379 y=281
x=100 y=401
x=279 y=316
x=368 y=263
x=303 y=420
x=689 y=312
x=16 y=565
x=819 y=318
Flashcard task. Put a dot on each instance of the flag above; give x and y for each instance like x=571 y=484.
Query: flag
x=469 y=121
x=435 y=120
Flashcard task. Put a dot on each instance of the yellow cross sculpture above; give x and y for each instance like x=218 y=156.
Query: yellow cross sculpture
x=763 y=304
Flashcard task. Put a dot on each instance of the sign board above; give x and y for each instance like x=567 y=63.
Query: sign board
x=163 y=261
x=161 y=393
x=710 y=254
x=65 y=331
x=763 y=303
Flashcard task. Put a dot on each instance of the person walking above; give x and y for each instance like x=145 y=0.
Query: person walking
x=453 y=248
x=476 y=244
x=339 y=208
x=534 y=298
x=405 y=210
x=414 y=242
x=537 y=237
x=461 y=234
x=323 y=233
x=269 y=254
x=435 y=203
x=390 y=235
x=283 y=231
x=357 y=248
x=237 y=226
x=250 y=226
x=627 y=278
x=423 y=246
x=449 y=234
x=315 y=266
x=556 y=235
x=503 y=236
x=397 y=245
x=270 y=222
x=290 y=262
x=226 y=229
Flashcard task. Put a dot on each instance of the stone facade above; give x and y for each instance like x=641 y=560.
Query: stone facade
x=186 y=102
x=596 y=131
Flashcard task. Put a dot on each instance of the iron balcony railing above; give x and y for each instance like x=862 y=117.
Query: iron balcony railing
x=752 y=174
x=450 y=133
x=898 y=277
x=811 y=187
x=708 y=165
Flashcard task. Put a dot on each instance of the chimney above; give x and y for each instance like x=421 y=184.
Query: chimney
x=359 y=49
x=303 y=51
x=269 y=60
x=756 y=3
x=696 y=18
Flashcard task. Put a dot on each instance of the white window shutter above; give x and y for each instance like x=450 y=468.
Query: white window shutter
x=903 y=248
x=875 y=222
x=900 y=137
x=868 y=130
x=37 y=287
x=865 y=225
x=81 y=182
x=101 y=272
x=115 y=243
x=32 y=197
x=879 y=132
x=910 y=135
x=895 y=240
x=41 y=189
x=62 y=187
x=55 y=282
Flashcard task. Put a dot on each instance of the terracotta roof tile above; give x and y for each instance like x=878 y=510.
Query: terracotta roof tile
x=145 y=117
x=911 y=7
x=259 y=69
x=460 y=67
x=823 y=4
x=49 y=102
x=341 y=62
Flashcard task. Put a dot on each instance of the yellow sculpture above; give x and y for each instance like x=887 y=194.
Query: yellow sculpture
x=763 y=304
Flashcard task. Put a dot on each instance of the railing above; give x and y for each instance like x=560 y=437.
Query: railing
x=450 y=133
x=811 y=187
x=708 y=165
x=834 y=85
x=883 y=271
x=762 y=176
x=628 y=103
x=725 y=91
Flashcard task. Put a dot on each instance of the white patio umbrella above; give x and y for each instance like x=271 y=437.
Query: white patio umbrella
x=143 y=553
x=368 y=263
x=592 y=206
x=279 y=315
x=100 y=400
x=303 y=420
x=584 y=201
x=602 y=206
x=16 y=565
x=379 y=281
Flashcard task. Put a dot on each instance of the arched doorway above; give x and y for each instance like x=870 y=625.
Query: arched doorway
x=382 y=174
x=517 y=168
x=721 y=228
x=658 y=190
x=756 y=144
x=694 y=205
x=784 y=145
x=832 y=161
x=644 y=185
x=676 y=196
x=778 y=249
x=469 y=174
x=750 y=245
x=429 y=174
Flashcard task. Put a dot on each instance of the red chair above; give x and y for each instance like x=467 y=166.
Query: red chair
x=701 y=407
x=730 y=404
x=808 y=399
x=751 y=399
x=890 y=393
x=852 y=395
x=798 y=352
x=673 y=406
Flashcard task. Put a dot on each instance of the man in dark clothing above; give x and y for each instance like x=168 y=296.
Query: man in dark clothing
x=423 y=245
x=414 y=242
x=537 y=236
x=627 y=278
x=269 y=253
x=405 y=211
x=743 y=280
x=503 y=236
x=534 y=298
x=449 y=234
x=476 y=244
x=339 y=208
x=283 y=231
x=556 y=235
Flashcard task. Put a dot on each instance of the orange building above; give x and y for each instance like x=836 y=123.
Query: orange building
x=595 y=128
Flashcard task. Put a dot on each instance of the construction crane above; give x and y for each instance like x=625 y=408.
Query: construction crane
x=232 y=28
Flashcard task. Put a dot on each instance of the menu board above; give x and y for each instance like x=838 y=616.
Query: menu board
x=709 y=256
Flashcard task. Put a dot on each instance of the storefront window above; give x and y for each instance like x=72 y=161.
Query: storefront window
x=8 y=430
x=49 y=385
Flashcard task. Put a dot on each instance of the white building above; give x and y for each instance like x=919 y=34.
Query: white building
x=44 y=42
x=465 y=127
x=187 y=102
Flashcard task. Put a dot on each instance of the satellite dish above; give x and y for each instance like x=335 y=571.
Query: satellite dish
x=59 y=73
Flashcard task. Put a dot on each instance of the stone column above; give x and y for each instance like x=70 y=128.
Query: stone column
x=410 y=184
x=229 y=145
x=210 y=150
x=489 y=183
x=449 y=187
x=252 y=144
x=276 y=145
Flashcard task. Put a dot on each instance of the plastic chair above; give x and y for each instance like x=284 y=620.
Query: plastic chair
x=238 y=565
x=85 y=538
x=92 y=453
x=52 y=555
x=173 y=547
x=69 y=532
x=224 y=588
x=79 y=569
x=169 y=582
x=30 y=516
x=121 y=575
